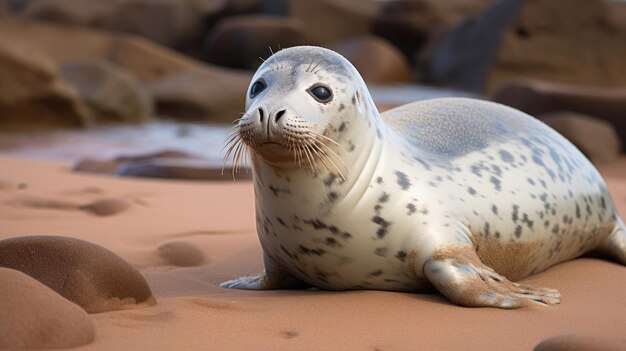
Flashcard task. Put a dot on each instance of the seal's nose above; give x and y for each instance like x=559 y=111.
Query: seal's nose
x=279 y=114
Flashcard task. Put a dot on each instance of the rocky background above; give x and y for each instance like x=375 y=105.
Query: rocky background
x=88 y=63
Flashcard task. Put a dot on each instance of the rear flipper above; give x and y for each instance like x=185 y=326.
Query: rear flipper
x=615 y=244
x=466 y=281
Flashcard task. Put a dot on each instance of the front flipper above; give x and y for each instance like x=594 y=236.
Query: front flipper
x=273 y=278
x=461 y=277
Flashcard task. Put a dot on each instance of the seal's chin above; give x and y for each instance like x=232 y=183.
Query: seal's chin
x=274 y=153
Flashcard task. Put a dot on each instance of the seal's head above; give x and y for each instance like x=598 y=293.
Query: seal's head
x=297 y=106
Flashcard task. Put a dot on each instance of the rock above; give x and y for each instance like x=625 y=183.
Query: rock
x=35 y=317
x=181 y=254
x=87 y=274
x=539 y=97
x=580 y=343
x=146 y=61
x=409 y=24
x=376 y=59
x=106 y=207
x=174 y=23
x=111 y=166
x=180 y=169
x=32 y=95
x=328 y=21
x=200 y=95
x=109 y=92
x=464 y=56
x=596 y=138
x=241 y=41
x=575 y=42
x=96 y=166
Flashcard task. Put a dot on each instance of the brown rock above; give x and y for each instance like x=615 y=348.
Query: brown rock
x=87 y=274
x=580 y=343
x=111 y=93
x=180 y=169
x=106 y=207
x=32 y=95
x=409 y=24
x=181 y=253
x=596 y=138
x=200 y=95
x=239 y=41
x=111 y=166
x=174 y=23
x=539 y=97
x=376 y=59
x=148 y=62
x=575 y=42
x=328 y=21
x=35 y=317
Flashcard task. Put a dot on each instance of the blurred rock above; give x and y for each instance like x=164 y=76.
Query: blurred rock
x=574 y=342
x=181 y=254
x=596 y=138
x=266 y=7
x=111 y=166
x=223 y=90
x=110 y=93
x=198 y=95
x=35 y=317
x=242 y=41
x=32 y=94
x=180 y=169
x=328 y=21
x=573 y=42
x=87 y=274
x=174 y=23
x=464 y=56
x=376 y=59
x=540 y=97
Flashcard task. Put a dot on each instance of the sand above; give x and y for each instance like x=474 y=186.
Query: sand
x=215 y=222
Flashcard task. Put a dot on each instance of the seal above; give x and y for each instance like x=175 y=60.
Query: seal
x=462 y=195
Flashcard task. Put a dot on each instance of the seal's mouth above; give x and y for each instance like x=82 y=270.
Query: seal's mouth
x=296 y=145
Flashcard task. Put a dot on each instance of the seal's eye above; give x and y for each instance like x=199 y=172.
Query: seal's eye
x=257 y=87
x=321 y=93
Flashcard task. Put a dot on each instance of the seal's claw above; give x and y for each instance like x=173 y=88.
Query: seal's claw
x=256 y=282
x=469 y=282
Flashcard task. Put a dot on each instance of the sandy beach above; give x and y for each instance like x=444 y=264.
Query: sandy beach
x=166 y=222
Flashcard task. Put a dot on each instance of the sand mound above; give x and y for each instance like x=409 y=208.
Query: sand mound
x=39 y=317
x=580 y=343
x=181 y=253
x=106 y=207
x=87 y=274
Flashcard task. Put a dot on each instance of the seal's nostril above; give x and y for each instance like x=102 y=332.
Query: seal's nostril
x=261 y=115
x=279 y=115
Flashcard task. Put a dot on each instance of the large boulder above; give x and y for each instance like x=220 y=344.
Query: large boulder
x=111 y=93
x=464 y=56
x=596 y=138
x=32 y=316
x=377 y=60
x=540 y=97
x=328 y=21
x=200 y=95
x=174 y=23
x=241 y=41
x=87 y=274
x=32 y=94
x=575 y=42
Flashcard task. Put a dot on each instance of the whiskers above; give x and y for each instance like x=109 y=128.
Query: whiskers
x=236 y=148
x=310 y=147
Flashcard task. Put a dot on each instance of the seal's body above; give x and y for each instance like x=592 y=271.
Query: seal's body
x=460 y=194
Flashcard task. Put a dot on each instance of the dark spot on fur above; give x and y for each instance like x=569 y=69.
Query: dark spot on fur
x=401 y=255
x=375 y=273
x=379 y=180
x=383 y=198
x=411 y=207
x=496 y=183
x=383 y=225
x=333 y=196
x=518 y=231
x=471 y=190
x=381 y=251
x=494 y=209
x=403 y=180
x=280 y=220
x=506 y=156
